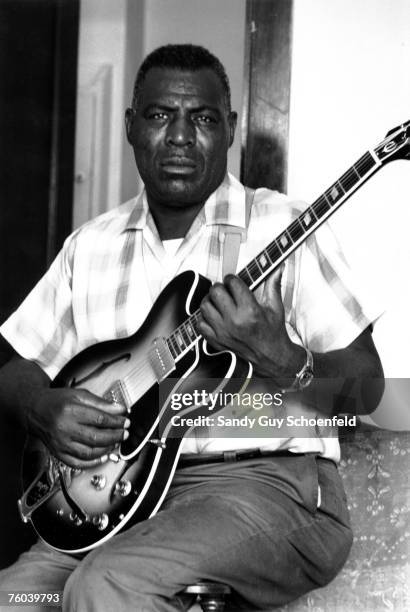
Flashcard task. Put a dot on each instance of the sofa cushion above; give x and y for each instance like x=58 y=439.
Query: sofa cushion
x=375 y=469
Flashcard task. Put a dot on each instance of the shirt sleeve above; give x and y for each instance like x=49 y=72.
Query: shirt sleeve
x=331 y=307
x=42 y=329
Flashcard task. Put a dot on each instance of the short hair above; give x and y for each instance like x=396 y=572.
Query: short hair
x=182 y=57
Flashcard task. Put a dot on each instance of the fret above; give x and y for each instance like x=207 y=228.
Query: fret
x=254 y=271
x=341 y=186
x=307 y=218
x=334 y=194
x=364 y=164
x=177 y=348
x=349 y=180
x=171 y=347
x=255 y=262
x=172 y=343
x=355 y=171
x=195 y=320
x=284 y=241
x=184 y=334
x=321 y=207
x=264 y=261
x=191 y=330
x=179 y=339
x=296 y=230
x=274 y=251
x=248 y=274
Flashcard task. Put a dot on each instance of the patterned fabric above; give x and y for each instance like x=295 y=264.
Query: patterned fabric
x=104 y=281
x=375 y=469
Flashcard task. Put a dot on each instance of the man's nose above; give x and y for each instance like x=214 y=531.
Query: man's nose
x=181 y=132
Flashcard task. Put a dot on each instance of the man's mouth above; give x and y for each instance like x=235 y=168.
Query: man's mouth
x=178 y=165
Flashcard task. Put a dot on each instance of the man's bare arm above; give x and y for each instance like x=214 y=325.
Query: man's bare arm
x=77 y=426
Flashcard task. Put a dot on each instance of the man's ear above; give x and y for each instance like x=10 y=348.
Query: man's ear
x=129 y=120
x=232 y=120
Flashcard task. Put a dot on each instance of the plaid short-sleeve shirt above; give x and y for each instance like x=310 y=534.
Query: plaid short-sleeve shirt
x=104 y=281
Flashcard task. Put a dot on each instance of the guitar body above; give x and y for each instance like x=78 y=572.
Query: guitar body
x=76 y=510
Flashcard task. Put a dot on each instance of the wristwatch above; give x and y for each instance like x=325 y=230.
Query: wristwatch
x=305 y=376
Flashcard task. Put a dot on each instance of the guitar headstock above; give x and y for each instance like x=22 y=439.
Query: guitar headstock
x=396 y=144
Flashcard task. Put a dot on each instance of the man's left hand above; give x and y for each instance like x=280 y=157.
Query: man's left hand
x=233 y=319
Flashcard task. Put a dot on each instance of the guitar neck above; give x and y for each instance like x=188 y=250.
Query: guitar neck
x=288 y=241
x=309 y=221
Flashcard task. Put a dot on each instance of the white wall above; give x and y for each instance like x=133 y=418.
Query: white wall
x=350 y=85
x=134 y=54
x=102 y=41
x=215 y=24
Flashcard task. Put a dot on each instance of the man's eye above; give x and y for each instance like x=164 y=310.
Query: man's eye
x=204 y=119
x=159 y=116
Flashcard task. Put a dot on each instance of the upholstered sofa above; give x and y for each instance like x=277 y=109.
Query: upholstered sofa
x=375 y=468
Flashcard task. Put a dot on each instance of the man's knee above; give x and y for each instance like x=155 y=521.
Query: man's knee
x=102 y=579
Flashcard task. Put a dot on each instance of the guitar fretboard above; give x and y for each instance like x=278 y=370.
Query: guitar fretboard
x=279 y=249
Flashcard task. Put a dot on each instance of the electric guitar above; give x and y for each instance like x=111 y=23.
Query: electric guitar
x=75 y=510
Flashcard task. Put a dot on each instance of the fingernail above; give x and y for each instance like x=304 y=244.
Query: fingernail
x=104 y=458
x=127 y=423
x=126 y=435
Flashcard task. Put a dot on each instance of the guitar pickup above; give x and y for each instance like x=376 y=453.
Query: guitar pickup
x=161 y=359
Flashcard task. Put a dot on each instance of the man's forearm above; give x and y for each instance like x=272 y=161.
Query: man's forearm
x=356 y=377
x=348 y=379
x=20 y=382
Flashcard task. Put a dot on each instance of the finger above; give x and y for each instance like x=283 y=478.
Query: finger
x=209 y=335
x=87 y=453
x=277 y=303
x=76 y=463
x=211 y=315
x=100 y=418
x=86 y=398
x=115 y=408
x=239 y=291
x=99 y=438
x=221 y=299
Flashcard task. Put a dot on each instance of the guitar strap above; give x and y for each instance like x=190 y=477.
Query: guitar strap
x=232 y=237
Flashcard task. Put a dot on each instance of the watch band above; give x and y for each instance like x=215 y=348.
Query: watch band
x=305 y=376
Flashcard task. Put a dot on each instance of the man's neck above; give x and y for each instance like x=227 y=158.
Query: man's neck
x=173 y=222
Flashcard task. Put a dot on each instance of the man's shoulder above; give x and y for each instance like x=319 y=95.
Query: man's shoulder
x=112 y=221
x=268 y=202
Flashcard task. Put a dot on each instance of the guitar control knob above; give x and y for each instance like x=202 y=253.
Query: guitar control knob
x=101 y=521
x=76 y=519
x=123 y=488
x=98 y=481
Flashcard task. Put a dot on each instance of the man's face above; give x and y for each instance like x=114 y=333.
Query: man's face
x=180 y=133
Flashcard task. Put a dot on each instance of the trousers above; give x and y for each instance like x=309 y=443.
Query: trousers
x=254 y=525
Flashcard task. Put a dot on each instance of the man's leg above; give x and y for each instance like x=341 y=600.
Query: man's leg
x=41 y=570
x=225 y=523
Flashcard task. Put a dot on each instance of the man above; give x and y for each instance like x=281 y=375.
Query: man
x=273 y=526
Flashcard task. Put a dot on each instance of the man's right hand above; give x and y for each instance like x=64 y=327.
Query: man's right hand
x=78 y=427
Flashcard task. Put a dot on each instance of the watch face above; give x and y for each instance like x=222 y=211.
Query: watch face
x=305 y=378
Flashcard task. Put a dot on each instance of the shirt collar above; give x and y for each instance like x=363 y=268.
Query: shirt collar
x=138 y=216
x=225 y=206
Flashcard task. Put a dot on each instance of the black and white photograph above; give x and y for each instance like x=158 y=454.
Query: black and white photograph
x=205 y=297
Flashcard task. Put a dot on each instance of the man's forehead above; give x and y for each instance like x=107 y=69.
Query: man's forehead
x=201 y=85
